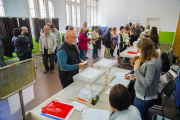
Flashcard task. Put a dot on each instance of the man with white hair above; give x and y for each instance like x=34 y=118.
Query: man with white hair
x=25 y=33
x=47 y=47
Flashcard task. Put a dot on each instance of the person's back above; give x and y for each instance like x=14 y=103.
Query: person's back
x=131 y=113
x=21 y=45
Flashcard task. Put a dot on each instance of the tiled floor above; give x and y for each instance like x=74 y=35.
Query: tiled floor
x=49 y=84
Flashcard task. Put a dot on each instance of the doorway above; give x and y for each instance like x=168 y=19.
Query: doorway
x=153 y=22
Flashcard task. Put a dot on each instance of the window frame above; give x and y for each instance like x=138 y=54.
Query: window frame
x=32 y=8
x=52 y=2
x=92 y=13
x=42 y=9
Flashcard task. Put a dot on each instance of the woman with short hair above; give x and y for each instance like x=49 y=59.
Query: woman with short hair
x=95 y=38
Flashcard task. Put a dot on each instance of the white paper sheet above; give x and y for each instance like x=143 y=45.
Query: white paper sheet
x=90 y=73
x=78 y=106
x=108 y=92
x=173 y=73
x=96 y=114
x=120 y=80
x=105 y=62
x=14 y=100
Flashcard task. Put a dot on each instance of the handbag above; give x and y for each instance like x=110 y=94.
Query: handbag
x=98 y=42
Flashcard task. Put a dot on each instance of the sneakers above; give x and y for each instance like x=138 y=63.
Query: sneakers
x=86 y=57
x=97 y=57
x=51 y=71
x=45 y=71
x=94 y=57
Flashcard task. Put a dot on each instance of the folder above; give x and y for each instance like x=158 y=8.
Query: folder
x=57 y=109
x=130 y=52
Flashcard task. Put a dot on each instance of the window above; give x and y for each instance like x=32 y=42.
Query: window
x=42 y=8
x=92 y=3
x=68 y=13
x=78 y=1
x=95 y=16
x=78 y=16
x=88 y=16
x=92 y=20
x=88 y=2
x=51 y=9
x=73 y=0
x=32 y=8
x=74 y=15
x=1 y=8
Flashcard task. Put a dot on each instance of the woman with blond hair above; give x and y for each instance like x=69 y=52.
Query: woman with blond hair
x=147 y=31
x=114 y=41
x=147 y=71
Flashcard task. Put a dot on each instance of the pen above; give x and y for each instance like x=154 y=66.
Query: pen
x=83 y=114
x=104 y=102
x=81 y=99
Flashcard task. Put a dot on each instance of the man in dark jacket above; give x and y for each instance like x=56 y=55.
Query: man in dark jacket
x=100 y=34
x=107 y=43
x=138 y=31
x=2 y=62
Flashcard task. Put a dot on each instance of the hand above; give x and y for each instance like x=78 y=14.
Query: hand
x=80 y=66
x=51 y=52
x=22 y=35
x=137 y=64
x=82 y=61
x=133 y=76
x=41 y=52
x=87 y=29
x=33 y=47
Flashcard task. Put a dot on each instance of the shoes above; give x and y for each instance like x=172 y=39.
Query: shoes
x=51 y=71
x=113 y=56
x=45 y=71
x=86 y=57
x=97 y=57
x=55 y=63
x=94 y=58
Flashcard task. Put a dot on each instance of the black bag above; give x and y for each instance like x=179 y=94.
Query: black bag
x=98 y=42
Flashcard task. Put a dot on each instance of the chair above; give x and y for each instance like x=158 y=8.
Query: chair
x=158 y=117
x=168 y=92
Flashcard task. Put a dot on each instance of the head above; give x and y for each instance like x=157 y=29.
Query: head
x=130 y=24
x=127 y=25
x=119 y=98
x=17 y=31
x=133 y=26
x=138 y=25
x=148 y=27
x=110 y=29
x=133 y=60
x=122 y=29
x=82 y=30
x=96 y=28
x=24 y=30
x=132 y=32
x=70 y=37
x=127 y=29
x=114 y=30
x=71 y=28
x=142 y=29
x=46 y=29
x=147 y=50
x=52 y=27
x=67 y=27
x=48 y=20
x=85 y=25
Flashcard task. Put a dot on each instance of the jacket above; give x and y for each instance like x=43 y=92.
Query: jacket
x=82 y=45
x=131 y=113
x=22 y=46
x=52 y=44
x=30 y=42
x=121 y=41
x=137 y=30
x=1 y=47
x=148 y=76
x=95 y=37
x=107 y=40
x=86 y=33
x=154 y=39
x=58 y=37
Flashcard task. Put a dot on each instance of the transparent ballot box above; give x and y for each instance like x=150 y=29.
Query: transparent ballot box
x=107 y=65
x=89 y=83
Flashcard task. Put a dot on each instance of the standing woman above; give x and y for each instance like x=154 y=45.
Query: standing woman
x=154 y=36
x=114 y=41
x=147 y=31
x=21 y=44
x=147 y=71
x=82 y=45
x=95 y=37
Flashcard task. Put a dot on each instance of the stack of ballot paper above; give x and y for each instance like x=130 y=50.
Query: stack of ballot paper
x=57 y=110
x=78 y=106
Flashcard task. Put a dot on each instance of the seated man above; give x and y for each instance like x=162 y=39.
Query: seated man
x=120 y=103
x=68 y=58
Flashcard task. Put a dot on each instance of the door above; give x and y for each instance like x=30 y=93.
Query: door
x=176 y=44
x=153 y=22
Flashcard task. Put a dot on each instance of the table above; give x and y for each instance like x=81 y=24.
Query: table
x=125 y=54
x=68 y=93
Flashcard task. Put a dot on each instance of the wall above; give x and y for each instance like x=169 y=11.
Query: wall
x=121 y=12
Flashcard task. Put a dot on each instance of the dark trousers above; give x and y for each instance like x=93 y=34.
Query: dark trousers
x=2 y=62
x=24 y=57
x=66 y=83
x=45 y=60
x=112 y=52
x=55 y=56
x=95 y=51
x=143 y=107
x=30 y=55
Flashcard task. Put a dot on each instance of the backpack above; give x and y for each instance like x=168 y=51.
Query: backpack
x=165 y=62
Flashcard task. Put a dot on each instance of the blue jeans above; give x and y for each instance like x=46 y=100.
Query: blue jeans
x=2 y=62
x=143 y=107
x=83 y=54
x=24 y=57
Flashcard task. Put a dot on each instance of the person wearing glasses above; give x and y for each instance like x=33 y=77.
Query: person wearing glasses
x=47 y=47
x=82 y=45
x=68 y=59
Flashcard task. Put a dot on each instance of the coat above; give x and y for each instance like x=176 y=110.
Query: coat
x=82 y=45
x=95 y=37
x=108 y=40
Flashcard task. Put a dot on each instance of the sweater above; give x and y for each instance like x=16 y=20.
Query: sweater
x=148 y=76
x=82 y=45
x=58 y=37
x=95 y=37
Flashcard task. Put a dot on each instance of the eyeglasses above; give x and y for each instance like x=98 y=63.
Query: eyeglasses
x=73 y=37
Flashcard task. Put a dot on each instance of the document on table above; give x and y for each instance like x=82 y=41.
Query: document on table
x=105 y=62
x=90 y=73
x=96 y=114
x=78 y=106
x=120 y=80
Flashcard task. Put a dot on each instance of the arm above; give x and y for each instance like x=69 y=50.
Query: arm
x=23 y=40
x=55 y=43
x=93 y=36
x=149 y=77
x=62 y=59
x=40 y=43
x=85 y=39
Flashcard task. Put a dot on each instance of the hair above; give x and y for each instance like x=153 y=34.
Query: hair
x=52 y=26
x=155 y=45
x=133 y=32
x=154 y=33
x=148 y=27
x=110 y=28
x=142 y=28
x=134 y=25
x=119 y=97
x=138 y=24
x=127 y=28
x=130 y=24
x=96 y=27
x=67 y=27
x=114 y=28
x=71 y=27
x=133 y=60
x=122 y=27
x=82 y=29
x=127 y=25
x=17 y=31
x=23 y=28
x=147 y=49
